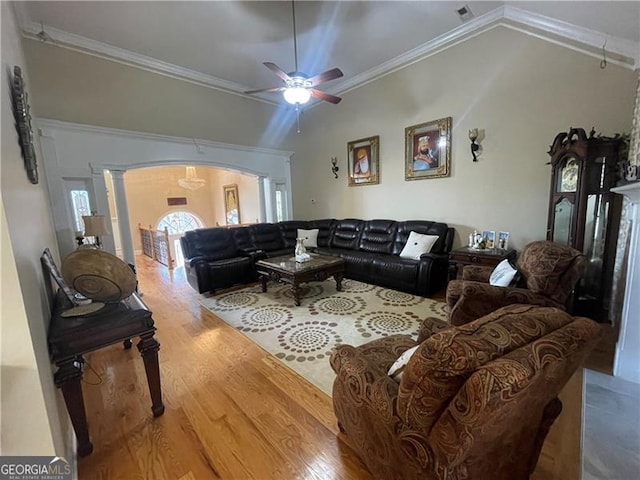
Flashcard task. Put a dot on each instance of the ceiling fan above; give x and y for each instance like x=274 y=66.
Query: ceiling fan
x=299 y=87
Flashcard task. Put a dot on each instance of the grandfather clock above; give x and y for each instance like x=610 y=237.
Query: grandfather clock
x=584 y=213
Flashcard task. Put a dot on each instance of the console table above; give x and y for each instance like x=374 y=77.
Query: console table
x=489 y=257
x=72 y=337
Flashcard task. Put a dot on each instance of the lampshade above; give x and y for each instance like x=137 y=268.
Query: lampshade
x=297 y=95
x=94 y=225
x=191 y=182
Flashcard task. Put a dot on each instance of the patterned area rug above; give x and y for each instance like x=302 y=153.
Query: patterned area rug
x=302 y=337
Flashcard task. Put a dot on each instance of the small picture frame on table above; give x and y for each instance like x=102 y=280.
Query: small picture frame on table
x=503 y=240
x=489 y=237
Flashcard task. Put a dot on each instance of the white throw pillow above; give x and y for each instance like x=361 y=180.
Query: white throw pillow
x=503 y=274
x=417 y=244
x=309 y=237
x=397 y=369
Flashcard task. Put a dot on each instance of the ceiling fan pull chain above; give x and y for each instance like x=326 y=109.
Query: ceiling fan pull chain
x=295 y=41
x=298 y=117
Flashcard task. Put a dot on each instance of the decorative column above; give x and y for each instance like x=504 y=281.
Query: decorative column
x=120 y=197
x=266 y=210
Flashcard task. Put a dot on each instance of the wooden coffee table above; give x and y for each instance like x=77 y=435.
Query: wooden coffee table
x=286 y=270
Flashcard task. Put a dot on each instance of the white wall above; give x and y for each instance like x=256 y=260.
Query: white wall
x=519 y=89
x=33 y=419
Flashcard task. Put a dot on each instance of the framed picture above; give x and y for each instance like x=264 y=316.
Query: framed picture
x=503 y=240
x=51 y=267
x=428 y=150
x=363 y=158
x=231 y=204
x=489 y=238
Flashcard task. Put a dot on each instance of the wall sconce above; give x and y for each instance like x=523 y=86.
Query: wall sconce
x=473 y=136
x=334 y=166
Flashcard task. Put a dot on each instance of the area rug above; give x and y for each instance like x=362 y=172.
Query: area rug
x=302 y=337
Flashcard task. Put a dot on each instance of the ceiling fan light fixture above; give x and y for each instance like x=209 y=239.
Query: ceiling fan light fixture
x=297 y=95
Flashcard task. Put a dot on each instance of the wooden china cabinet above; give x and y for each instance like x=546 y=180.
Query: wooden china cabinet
x=584 y=213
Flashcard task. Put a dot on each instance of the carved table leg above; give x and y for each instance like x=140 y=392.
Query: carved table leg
x=263 y=280
x=295 y=289
x=338 y=278
x=148 y=347
x=68 y=379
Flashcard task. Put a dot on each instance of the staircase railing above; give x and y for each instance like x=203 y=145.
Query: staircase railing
x=155 y=244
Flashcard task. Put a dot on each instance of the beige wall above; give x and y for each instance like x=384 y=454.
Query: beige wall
x=80 y=88
x=33 y=420
x=520 y=90
x=147 y=190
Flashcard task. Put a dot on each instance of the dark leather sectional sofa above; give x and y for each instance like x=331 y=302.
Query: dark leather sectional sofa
x=221 y=257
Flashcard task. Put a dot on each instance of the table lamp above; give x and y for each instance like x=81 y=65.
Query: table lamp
x=94 y=226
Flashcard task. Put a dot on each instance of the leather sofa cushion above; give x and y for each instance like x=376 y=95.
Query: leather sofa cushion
x=242 y=237
x=289 y=231
x=424 y=227
x=378 y=236
x=393 y=271
x=346 y=234
x=266 y=236
x=358 y=264
x=325 y=230
x=213 y=243
x=230 y=271
x=445 y=361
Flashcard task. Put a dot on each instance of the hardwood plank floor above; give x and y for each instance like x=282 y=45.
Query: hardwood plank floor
x=232 y=410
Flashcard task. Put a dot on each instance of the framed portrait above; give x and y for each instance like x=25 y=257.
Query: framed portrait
x=489 y=238
x=231 y=204
x=428 y=150
x=363 y=158
x=503 y=240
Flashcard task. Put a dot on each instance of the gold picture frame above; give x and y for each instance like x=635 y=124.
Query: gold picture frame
x=363 y=161
x=428 y=150
x=231 y=204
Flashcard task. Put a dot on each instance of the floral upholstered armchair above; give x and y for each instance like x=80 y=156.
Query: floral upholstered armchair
x=474 y=402
x=549 y=273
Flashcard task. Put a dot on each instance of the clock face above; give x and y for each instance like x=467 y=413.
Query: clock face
x=23 y=124
x=569 y=177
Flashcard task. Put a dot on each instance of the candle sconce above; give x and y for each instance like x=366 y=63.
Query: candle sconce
x=334 y=166
x=473 y=136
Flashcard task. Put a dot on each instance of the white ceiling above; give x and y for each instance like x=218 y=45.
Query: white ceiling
x=223 y=43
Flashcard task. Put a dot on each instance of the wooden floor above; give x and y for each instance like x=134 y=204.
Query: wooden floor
x=232 y=410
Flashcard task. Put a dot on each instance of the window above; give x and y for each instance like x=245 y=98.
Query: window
x=80 y=204
x=179 y=222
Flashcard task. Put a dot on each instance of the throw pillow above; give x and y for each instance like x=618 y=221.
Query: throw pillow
x=504 y=275
x=417 y=244
x=309 y=237
x=396 y=370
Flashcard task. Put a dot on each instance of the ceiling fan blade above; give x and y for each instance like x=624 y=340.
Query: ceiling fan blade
x=274 y=89
x=277 y=70
x=325 y=96
x=325 y=76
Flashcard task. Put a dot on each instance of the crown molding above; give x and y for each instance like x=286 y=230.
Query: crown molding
x=47 y=123
x=96 y=48
x=578 y=36
x=620 y=51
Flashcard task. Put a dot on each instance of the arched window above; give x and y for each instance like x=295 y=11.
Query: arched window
x=179 y=222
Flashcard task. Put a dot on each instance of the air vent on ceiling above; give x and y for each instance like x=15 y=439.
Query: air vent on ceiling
x=464 y=13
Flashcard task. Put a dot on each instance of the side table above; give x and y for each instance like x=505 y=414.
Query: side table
x=72 y=337
x=489 y=257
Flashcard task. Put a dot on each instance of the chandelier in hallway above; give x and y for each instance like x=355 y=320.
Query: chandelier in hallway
x=191 y=182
